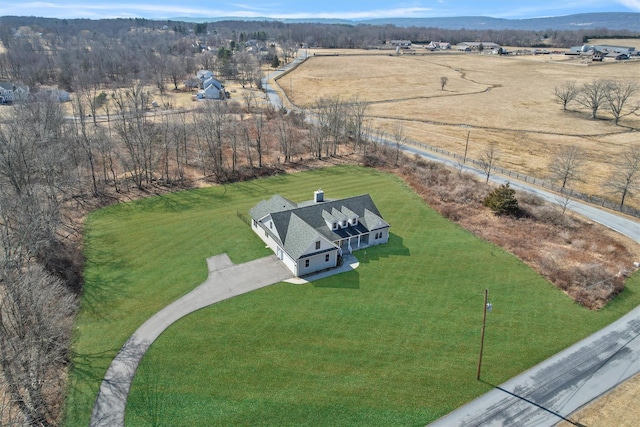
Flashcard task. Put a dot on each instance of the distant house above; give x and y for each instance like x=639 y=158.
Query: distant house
x=211 y=88
x=204 y=75
x=20 y=93
x=400 y=43
x=55 y=95
x=605 y=49
x=6 y=93
x=438 y=45
x=312 y=236
x=478 y=46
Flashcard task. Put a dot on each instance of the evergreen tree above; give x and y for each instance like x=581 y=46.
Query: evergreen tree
x=502 y=200
x=275 y=63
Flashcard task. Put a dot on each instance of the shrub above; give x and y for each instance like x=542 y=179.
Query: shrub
x=502 y=200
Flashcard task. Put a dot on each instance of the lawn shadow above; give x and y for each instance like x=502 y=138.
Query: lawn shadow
x=346 y=280
x=105 y=285
x=394 y=247
x=184 y=200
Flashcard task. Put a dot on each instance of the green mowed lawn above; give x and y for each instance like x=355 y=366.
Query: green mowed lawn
x=395 y=342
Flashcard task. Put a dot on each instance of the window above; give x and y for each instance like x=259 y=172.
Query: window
x=306 y=263
x=318 y=244
x=255 y=223
x=271 y=225
x=326 y=258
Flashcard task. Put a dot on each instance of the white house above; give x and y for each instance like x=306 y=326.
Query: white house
x=203 y=75
x=211 y=88
x=438 y=45
x=6 y=93
x=477 y=46
x=312 y=236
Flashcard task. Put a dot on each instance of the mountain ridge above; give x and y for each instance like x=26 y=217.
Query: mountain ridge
x=627 y=21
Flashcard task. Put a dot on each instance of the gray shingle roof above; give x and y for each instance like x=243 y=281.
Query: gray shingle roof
x=275 y=204
x=300 y=225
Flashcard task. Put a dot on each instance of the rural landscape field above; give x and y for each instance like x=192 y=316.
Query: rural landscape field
x=132 y=149
x=506 y=101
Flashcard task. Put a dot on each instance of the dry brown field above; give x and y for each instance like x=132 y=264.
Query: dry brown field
x=506 y=101
x=617 y=408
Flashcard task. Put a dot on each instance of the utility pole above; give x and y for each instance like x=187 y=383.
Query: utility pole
x=466 y=147
x=487 y=307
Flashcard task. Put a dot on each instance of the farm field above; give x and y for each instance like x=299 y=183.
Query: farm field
x=506 y=101
x=393 y=343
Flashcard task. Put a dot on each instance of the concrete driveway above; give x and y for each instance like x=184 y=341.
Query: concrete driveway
x=225 y=280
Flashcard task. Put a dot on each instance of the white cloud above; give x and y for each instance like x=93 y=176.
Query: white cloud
x=631 y=4
x=158 y=11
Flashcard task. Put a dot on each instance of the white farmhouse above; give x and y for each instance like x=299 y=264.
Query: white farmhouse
x=312 y=236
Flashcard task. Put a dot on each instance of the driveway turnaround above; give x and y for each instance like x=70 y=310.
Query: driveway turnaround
x=549 y=392
x=225 y=280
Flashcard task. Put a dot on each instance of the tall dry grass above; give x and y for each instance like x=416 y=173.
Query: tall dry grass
x=585 y=260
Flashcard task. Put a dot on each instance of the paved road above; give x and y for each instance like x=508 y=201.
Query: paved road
x=549 y=392
x=623 y=225
x=225 y=280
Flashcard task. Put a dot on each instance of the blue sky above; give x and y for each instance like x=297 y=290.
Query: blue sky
x=355 y=10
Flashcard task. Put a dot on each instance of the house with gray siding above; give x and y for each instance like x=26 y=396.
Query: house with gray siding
x=314 y=235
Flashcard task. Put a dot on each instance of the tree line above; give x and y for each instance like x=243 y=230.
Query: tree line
x=613 y=96
x=42 y=51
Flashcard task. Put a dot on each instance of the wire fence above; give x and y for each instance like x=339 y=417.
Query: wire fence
x=565 y=192
x=389 y=139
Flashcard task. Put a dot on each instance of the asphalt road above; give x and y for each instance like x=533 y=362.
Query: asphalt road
x=549 y=392
x=623 y=225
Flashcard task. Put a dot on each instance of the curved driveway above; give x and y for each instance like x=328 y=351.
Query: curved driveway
x=225 y=280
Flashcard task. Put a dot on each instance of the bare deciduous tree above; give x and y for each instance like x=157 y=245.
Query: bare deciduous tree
x=358 y=111
x=35 y=315
x=567 y=165
x=443 y=82
x=285 y=138
x=399 y=137
x=136 y=132
x=618 y=96
x=593 y=95
x=625 y=179
x=565 y=93
x=210 y=127
x=488 y=160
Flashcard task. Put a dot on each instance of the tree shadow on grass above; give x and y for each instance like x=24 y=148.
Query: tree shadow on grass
x=185 y=200
x=104 y=285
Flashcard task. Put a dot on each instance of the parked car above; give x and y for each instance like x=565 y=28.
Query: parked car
x=622 y=56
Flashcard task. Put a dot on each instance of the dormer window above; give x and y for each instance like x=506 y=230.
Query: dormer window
x=334 y=226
